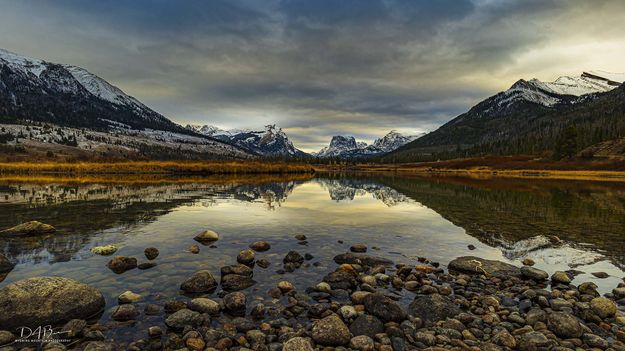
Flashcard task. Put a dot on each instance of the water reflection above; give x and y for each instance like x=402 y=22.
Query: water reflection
x=516 y=217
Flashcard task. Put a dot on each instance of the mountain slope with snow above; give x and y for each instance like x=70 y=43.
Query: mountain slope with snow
x=347 y=146
x=271 y=142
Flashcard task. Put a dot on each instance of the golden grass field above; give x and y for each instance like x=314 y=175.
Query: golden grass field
x=154 y=167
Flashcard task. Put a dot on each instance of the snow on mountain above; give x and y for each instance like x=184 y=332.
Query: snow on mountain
x=271 y=141
x=561 y=90
x=348 y=147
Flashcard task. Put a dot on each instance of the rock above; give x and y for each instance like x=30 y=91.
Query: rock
x=155 y=331
x=475 y=265
x=595 y=341
x=29 y=228
x=297 y=344
x=5 y=265
x=432 y=308
x=534 y=273
x=207 y=237
x=238 y=269
x=588 y=288
x=366 y=260
x=234 y=303
x=263 y=263
x=199 y=282
x=358 y=248
x=471 y=247
x=73 y=328
x=293 y=257
x=196 y=344
x=125 y=312
x=121 y=264
x=47 y=300
x=341 y=279
x=260 y=246
x=384 y=308
x=331 y=331
x=246 y=257
x=151 y=253
x=104 y=250
x=194 y=249
x=6 y=337
x=560 y=277
x=300 y=237
x=533 y=341
x=204 y=305
x=528 y=262
x=183 y=318
x=505 y=339
x=323 y=287
x=564 y=325
x=146 y=265
x=603 y=307
x=98 y=346
x=128 y=297
x=366 y=325
x=600 y=275
x=362 y=343
x=285 y=286
x=348 y=312
x=618 y=292
x=235 y=282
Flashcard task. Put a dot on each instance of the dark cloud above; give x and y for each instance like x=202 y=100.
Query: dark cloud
x=318 y=67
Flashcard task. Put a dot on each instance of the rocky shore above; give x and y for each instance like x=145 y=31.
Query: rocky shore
x=472 y=304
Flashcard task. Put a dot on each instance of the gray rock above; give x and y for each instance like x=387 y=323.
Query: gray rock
x=475 y=265
x=534 y=273
x=204 y=305
x=384 y=308
x=564 y=325
x=47 y=300
x=183 y=318
x=432 y=308
x=366 y=324
x=199 y=282
x=125 y=312
x=297 y=344
x=29 y=228
x=331 y=331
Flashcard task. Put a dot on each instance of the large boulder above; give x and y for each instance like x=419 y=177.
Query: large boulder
x=5 y=264
x=475 y=265
x=331 y=331
x=384 y=308
x=432 y=308
x=564 y=325
x=29 y=228
x=364 y=260
x=199 y=282
x=47 y=300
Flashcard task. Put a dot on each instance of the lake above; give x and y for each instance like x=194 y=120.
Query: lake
x=397 y=217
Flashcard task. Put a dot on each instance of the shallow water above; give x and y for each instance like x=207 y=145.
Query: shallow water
x=401 y=218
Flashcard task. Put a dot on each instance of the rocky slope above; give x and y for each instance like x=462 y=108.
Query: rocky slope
x=530 y=114
x=271 y=142
x=347 y=146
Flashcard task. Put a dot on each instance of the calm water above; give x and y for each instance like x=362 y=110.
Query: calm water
x=401 y=218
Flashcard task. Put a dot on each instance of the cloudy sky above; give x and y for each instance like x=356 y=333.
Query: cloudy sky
x=318 y=67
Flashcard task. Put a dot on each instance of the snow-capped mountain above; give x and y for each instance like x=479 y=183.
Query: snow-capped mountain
x=565 y=89
x=68 y=95
x=90 y=115
x=348 y=147
x=271 y=141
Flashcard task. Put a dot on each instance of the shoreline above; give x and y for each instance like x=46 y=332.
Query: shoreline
x=472 y=304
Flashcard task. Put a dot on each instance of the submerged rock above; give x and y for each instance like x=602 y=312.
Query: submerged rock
x=104 y=250
x=235 y=282
x=29 y=228
x=260 y=246
x=207 y=237
x=47 y=300
x=476 y=265
x=121 y=264
x=246 y=257
x=199 y=282
x=125 y=312
x=151 y=253
x=5 y=265
x=238 y=269
x=365 y=260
